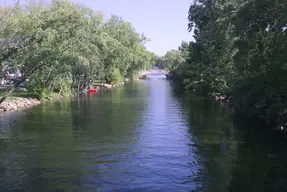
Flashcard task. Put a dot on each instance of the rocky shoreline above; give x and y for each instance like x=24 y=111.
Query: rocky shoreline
x=18 y=103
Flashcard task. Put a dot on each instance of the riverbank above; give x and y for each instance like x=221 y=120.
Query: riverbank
x=271 y=124
x=21 y=98
x=24 y=99
x=18 y=103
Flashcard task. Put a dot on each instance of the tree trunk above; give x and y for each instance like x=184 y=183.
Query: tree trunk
x=85 y=88
x=11 y=90
x=48 y=77
x=78 y=88
x=85 y=85
x=61 y=89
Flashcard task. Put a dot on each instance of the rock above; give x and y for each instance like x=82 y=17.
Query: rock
x=3 y=107
x=28 y=102
x=107 y=85
x=20 y=104
x=219 y=98
x=9 y=108
x=17 y=104
x=12 y=105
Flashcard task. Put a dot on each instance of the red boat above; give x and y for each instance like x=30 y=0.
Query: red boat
x=94 y=89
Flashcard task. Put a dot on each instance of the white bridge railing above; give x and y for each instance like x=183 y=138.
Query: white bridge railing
x=153 y=71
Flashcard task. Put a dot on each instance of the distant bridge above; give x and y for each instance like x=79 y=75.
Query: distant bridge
x=144 y=73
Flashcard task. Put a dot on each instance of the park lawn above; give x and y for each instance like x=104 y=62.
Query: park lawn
x=17 y=94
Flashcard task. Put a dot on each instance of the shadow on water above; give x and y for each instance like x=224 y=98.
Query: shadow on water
x=238 y=154
x=261 y=162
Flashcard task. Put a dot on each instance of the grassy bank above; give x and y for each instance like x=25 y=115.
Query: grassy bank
x=18 y=94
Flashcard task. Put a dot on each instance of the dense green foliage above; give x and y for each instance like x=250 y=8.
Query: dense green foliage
x=173 y=58
x=65 y=47
x=239 y=53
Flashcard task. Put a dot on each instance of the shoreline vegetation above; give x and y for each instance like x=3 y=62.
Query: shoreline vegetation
x=237 y=56
x=23 y=99
x=64 y=48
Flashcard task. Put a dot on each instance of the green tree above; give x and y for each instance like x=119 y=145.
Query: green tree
x=238 y=52
x=69 y=45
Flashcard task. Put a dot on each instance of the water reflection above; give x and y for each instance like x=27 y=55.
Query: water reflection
x=165 y=143
x=237 y=154
x=216 y=140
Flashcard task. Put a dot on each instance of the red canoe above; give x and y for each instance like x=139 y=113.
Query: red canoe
x=94 y=89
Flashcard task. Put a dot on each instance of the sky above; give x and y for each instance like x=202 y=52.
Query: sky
x=163 y=21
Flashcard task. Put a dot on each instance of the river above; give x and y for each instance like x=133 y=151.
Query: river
x=141 y=136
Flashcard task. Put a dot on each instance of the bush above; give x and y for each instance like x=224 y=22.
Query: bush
x=39 y=92
x=115 y=76
x=37 y=88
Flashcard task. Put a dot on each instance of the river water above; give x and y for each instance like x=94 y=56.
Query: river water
x=138 y=137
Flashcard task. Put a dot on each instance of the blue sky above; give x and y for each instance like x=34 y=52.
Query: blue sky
x=163 y=21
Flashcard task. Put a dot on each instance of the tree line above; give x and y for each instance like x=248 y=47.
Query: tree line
x=64 y=47
x=239 y=53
